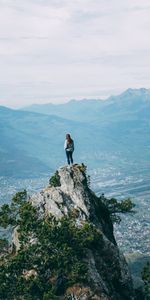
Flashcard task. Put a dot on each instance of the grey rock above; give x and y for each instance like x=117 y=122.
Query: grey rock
x=108 y=272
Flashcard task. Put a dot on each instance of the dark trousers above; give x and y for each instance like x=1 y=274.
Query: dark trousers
x=69 y=157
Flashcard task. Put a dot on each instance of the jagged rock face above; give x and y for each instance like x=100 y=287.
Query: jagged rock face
x=107 y=268
x=71 y=194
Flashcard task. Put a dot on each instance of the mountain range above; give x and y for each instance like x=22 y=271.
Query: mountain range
x=109 y=131
x=130 y=102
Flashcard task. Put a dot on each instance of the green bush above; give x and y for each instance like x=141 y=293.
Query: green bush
x=116 y=207
x=4 y=245
x=9 y=215
x=146 y=278
x=55 y=180
x=57 y=255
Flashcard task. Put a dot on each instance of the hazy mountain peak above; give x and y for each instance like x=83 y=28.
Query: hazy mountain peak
x=4 y=108
x=135 y=92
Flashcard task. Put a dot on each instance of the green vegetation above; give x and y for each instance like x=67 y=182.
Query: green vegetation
x=146 y=278
x=82 y=168
x=115 y=207
x=9 y=214
x=55 y=180
x=55 y=259
x=4 y=245
x=53 y=253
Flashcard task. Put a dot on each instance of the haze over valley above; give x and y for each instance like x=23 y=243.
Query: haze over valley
x=114 y=132
x=111 y=138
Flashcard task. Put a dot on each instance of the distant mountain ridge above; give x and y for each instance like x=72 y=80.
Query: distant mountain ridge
x=105 y=132
x=90 y=110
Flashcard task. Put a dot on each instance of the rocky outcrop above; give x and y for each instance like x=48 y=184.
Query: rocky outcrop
x=108 y=274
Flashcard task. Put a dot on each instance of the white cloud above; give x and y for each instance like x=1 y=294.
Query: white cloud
x=54 y=50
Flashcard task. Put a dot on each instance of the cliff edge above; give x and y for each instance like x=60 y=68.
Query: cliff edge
x=69 y=194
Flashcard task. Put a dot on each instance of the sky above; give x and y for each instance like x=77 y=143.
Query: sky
x=56 y=50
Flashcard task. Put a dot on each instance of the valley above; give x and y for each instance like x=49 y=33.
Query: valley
x=133 y=232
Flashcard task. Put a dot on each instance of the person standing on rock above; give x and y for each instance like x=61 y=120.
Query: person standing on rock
x=69 y=148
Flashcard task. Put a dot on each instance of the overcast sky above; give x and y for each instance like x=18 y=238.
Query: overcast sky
x=56 y=50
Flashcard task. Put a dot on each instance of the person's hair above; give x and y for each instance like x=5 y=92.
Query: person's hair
x=68 y=138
